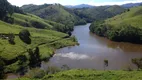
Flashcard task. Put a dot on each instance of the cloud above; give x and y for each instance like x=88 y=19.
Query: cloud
x=92 y=2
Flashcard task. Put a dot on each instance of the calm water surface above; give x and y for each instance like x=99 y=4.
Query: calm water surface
x=92 y=52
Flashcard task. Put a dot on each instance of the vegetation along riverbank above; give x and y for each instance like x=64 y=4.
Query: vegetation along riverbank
x=126 y=27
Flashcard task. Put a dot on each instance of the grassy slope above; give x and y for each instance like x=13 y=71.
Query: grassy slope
x=132 y=17
x=29 y=20
x=38 y=37
x=55 y=12
x=93 y=75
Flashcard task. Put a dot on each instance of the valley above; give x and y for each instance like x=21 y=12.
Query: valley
x=82 y=42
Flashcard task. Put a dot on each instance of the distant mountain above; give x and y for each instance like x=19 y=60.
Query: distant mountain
x=80 y=6
x=130 y=5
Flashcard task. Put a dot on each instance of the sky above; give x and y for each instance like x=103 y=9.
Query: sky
x=73 y=2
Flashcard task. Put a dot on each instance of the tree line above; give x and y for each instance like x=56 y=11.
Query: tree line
x=6 y=11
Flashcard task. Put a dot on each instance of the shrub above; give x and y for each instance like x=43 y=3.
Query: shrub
x=11 y=38
x=65 y=67
x=137 y=62
x=35 y=73
x=25 y=36
x=52 y=70
x=69 y=33
x=105 y=64
x=2 y=64
x=38 y=24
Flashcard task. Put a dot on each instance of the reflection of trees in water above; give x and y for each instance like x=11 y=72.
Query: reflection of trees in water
x=126 y=47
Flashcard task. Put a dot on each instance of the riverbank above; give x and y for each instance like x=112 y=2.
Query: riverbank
x=89 y=58
x=93 y=50
x=83 y=74
x=64 y=42
x=125 y=27
x=14 y=51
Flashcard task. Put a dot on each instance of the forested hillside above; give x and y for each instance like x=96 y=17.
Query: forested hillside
x=98 y=13
x=124 y=27
x=74 y=16
x=53 y=12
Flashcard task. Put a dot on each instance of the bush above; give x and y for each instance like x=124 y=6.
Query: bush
x=137 y=62
x=69 y=33
x=2 y=64
x=36 y=73
x=38 y=24
x=11 y=38
x=52 y=70
x=25 y=36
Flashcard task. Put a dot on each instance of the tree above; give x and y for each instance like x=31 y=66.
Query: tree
x=11 y=38
x=18 y=10
x=31 y=59
x=37 y=56
x=22 y=64
x=5 y=8
x=69 y=33
x=2 y=64
x=128 y=10
x=34 y=60
x=24 y=35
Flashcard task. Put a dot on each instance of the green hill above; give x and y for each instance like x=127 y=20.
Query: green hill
x=70 y=17
x=28 y=39
x=30 y=20
x=53 y=12
x=124 y=27
x=46 y=40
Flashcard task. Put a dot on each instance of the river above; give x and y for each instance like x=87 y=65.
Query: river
x=92 y=52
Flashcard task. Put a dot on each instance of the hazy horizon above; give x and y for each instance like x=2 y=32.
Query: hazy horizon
x=73 y=2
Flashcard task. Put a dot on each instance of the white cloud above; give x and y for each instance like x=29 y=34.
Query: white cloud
x=92 y=2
